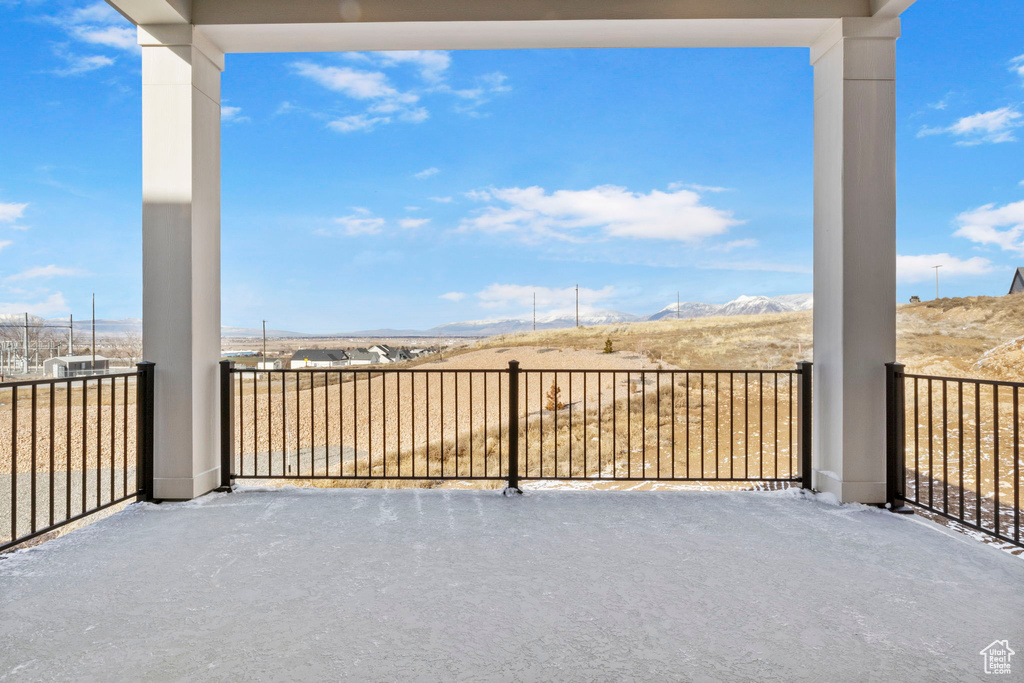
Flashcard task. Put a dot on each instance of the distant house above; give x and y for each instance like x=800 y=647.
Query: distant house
x=269 y=365
x=385 y=352
x=1017 y=285
x=319 y=358
x=390 y=354
x=75 y=366
x=363 y=357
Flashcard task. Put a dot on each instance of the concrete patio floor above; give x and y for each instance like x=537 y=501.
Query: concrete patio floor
x=307 y=584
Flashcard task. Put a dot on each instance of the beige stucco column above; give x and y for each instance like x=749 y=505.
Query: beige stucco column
x=181 y=252
x=854 y=253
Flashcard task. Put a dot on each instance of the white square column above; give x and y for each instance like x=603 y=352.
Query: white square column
x=854 y=253
x=181 y=253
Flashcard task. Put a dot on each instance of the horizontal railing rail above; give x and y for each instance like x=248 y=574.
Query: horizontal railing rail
x=515 y=424
x=954 y=450
x=71 y=447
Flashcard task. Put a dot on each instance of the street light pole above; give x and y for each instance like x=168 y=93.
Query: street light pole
x=264 y=344
x=936 y=280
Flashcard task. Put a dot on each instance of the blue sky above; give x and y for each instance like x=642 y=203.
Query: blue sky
x=407 y=190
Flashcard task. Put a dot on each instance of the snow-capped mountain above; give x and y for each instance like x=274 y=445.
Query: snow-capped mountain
x=686 y=309
x=743 y=305
x=487 y=328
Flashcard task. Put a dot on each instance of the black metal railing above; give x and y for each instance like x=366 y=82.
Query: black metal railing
x=954 y=450
x=71 y=447
x=514 y=424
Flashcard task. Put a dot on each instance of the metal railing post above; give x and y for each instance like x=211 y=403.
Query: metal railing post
x=144 y=429
x=227 y=426
x=804 y=398
x=895 y=436
x=513 y=428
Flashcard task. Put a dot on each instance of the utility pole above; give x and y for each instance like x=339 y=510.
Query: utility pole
x=94 y=333
x=71 y=334
x=535 y=311
x=577 y=305
x=264 y=344
x=936 y=280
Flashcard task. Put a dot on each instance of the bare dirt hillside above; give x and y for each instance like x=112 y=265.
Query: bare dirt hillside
x=974 y=336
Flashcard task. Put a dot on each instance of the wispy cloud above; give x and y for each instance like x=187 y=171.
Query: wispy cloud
x=698 y=188
x=426 y=173
x=53 y=304
x=453 y=296
x=45 y=273
x=9 y=213
x=232 y=114
x=80 y=64
x=552 y=300
x=921 y=268
x=757 y=266
x=4 y=244
x=368 y=82
x=603 y=211
x=99 y=24
x=412 y=223
x=442 y=200
x=360 y=85
x=993 y=126
x=355 y=224
x=1017 y=65
x=942 y=104
x=1000 y=226
x=431 y=64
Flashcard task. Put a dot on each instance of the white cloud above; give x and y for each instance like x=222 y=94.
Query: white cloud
x=45 y=273
x=412 y=223
x=357 y=122
x=942 y=104
x=386 y=103
x=52 y=305
x=613 y=211
x=550 y=299
x=80 y=64
x=756 y=266
x=4 y=244
x=698 y=188
x=432 y=64
x=358 y=224
x=453 y=296
x=441 y=200
x=736 y=244
x=11 y=212
x=991 y=126
x=121 y=37
x=1001 y=226
x=922 y=268
x=1017 y=65
x=360 y=85
x=414 y=115
x=99 y=24
x=426 y=173
x=229 y=113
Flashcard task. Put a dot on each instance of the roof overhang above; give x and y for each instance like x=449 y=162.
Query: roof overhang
x=333 y=25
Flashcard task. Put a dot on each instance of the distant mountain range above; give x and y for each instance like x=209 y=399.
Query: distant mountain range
x=744 y=305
